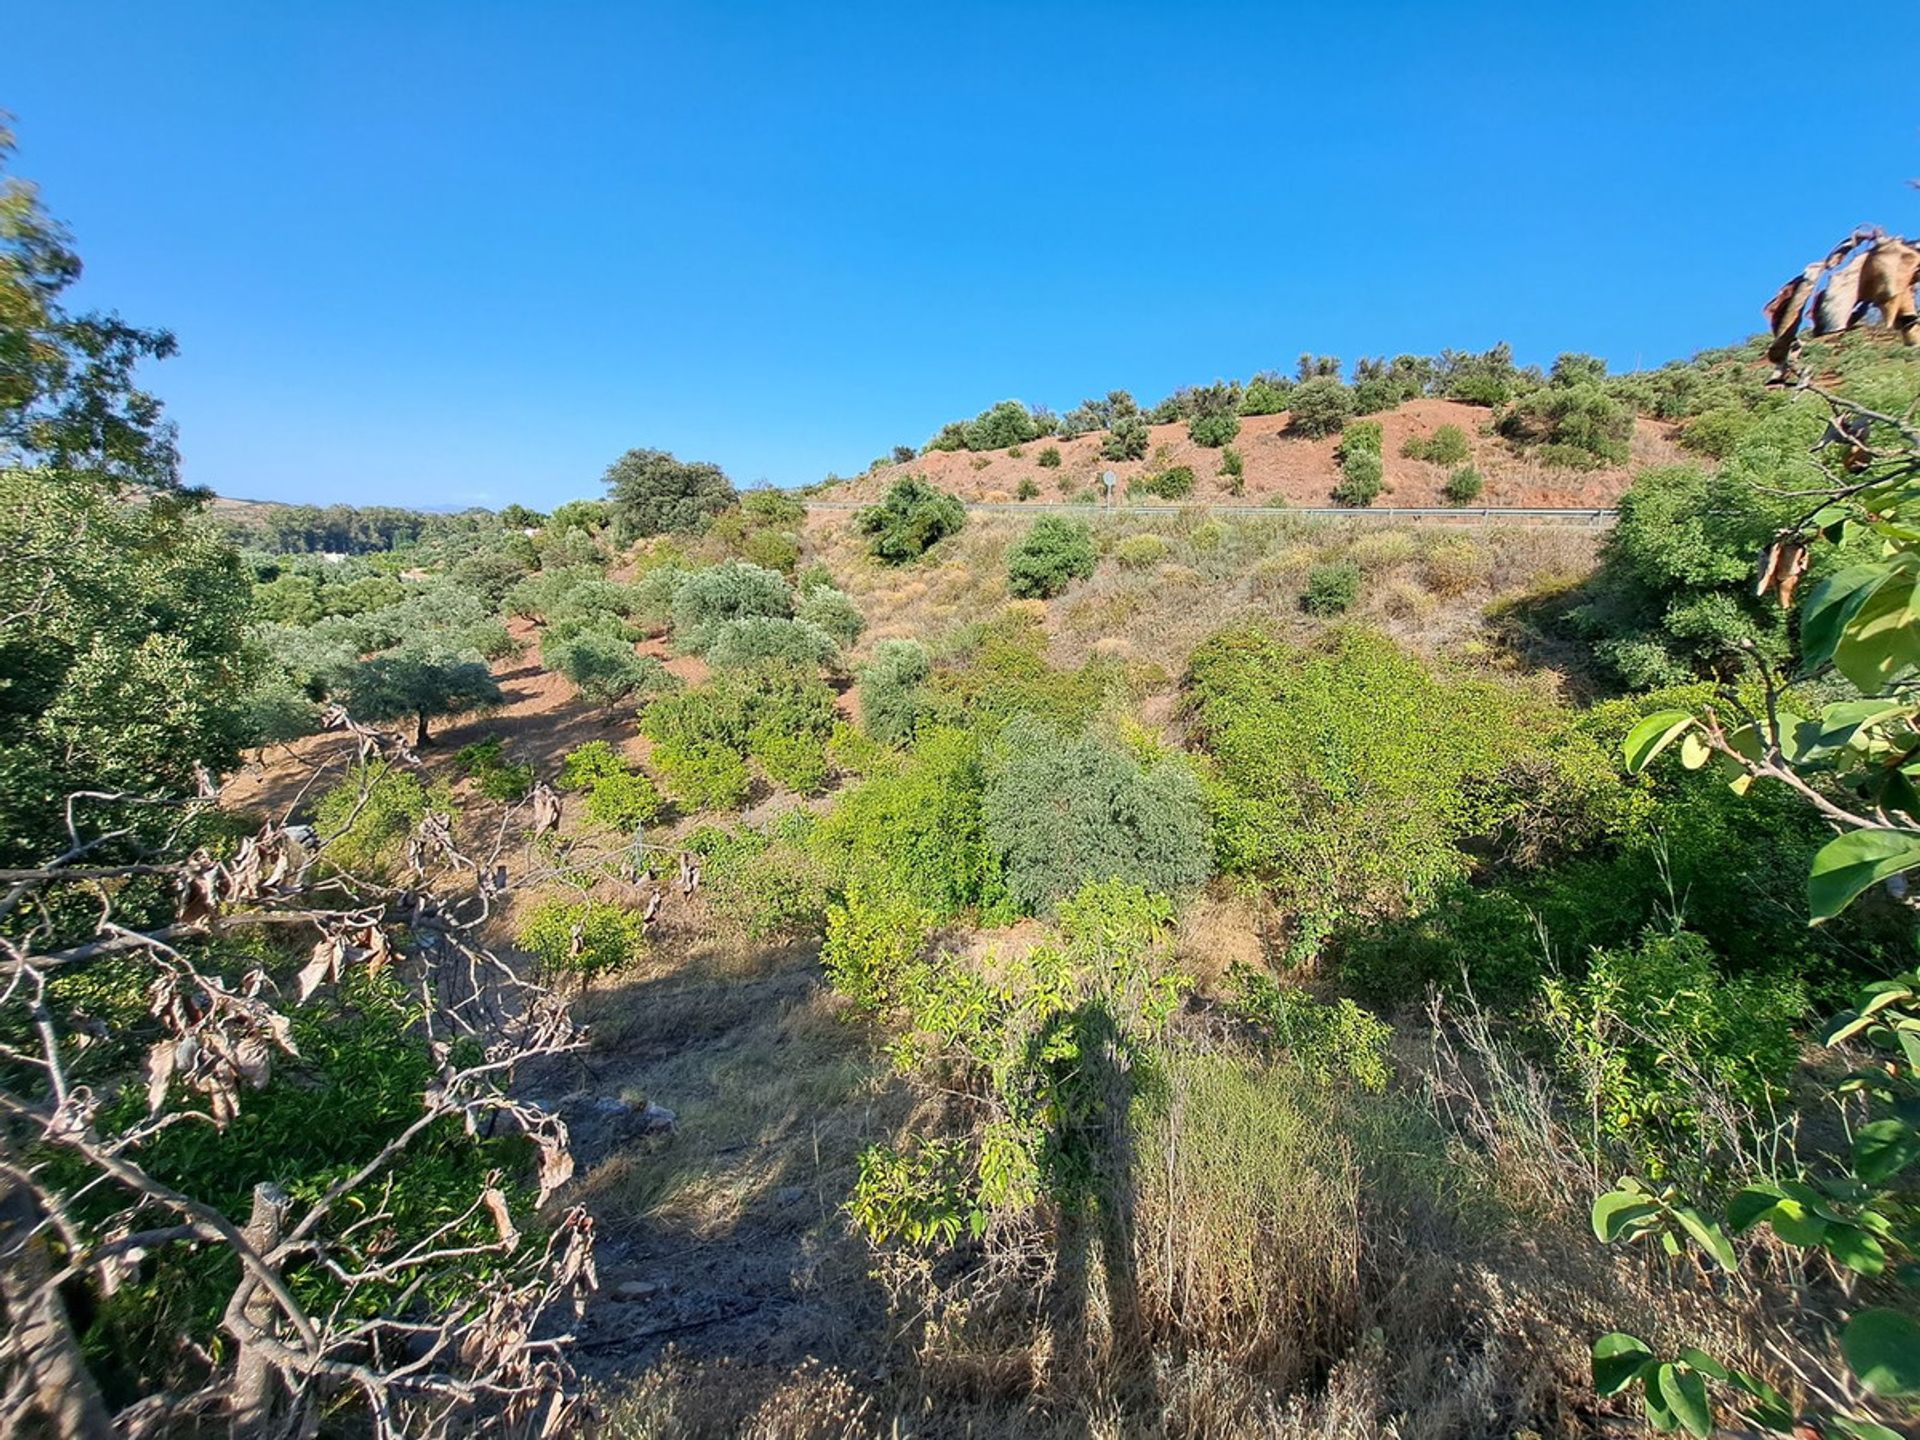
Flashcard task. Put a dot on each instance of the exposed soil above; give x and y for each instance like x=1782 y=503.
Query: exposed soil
x=1278 y=464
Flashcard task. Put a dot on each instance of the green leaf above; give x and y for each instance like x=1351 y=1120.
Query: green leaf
x=1706 y=1364
x=1861 y=1429
x=1707 y=1235
x=1856 y=1249
x=1848 y=864
x=1685 y=1394
x=1694 y=751
x=1751 y=1206
x=1883 y=1347
x=1879 y=642
x=1619 y=1359
x=1832 y=603
x=1883 y=1149
x=1794 y=1222
x=1620 y=1215
x=1652 y=735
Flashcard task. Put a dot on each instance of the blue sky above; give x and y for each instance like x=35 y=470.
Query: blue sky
x=449 y=251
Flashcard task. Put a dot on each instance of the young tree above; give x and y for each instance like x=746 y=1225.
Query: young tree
x=420 y=682
x=652 y=493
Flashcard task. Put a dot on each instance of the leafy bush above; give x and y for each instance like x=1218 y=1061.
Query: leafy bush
x=1654 y=1033
x=1487 y=379
x=364 y=821
x=1320 y=406
x=1063 y=809
x=582 y=937
x=1446 y=446
x=1235 y=469
x=1361 y=478
x=833 y=611
x=1048 y=458
x=893 y=690
x=1173 y=483
x=617 y=795
x=1362 y=437
x=1136 y=552
x=1027 y=489
x=498 y=778
x=1005 y=424
x=779 y=715
x=704 y=600
x=1577 y=423
x=1266 y=394
x=1717 y=432
x=1331 y=588
x=651 y=493
x=1326 y=1041
x=1213 y=429
x=1127 y=433
x=1054 y=552
x=1463 y=486
x=912 y=518
x=735 y=643
x=770 y=885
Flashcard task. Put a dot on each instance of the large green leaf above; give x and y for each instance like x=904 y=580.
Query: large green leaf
x=1848 y=864
x=1620 y=1215
x=1883 y=1347
x=1883 y=1149
x=1880 y=642
x=1832 y=603
x=1685 y=1394
x=1856 y=1249
x=1652 y=735
x=1619 y=1359
x=1707 y=1235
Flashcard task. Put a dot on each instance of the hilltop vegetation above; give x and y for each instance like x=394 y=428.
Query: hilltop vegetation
x=1089 y=973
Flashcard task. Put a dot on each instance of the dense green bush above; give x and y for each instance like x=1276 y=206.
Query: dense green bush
x=770 y=884
x=1048 y=458
x=705 y=600
x=910 y=520
x=364 y=821
x=1575 y=422
x=735 y=643
x=1320 y=406
x=893 y=690
x=1234 y=468
x=1463 y=486
x=1051 y=554
x=617 y=794
x=1005 y=424
x=1213 y=414
x=1266 y=394
x=1127 y=434
x=1063 y=809
x=485 y=762
x=650 y=493
x=583 y=938
x=1382 y=384
x=1175 y=482
x=1332 y=588
x=603 y=668
x=1346 y=776
x=778 y=715
x=833 y=611
x=1361 y=479
x=1489 y=379
x=1446 y=446
x=1136 y=552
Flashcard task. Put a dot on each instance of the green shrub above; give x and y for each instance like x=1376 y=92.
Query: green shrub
x=1717 y=432
x=1446 y=446
x=603 y=668
x=364 y=821
x=1053 y=553
x=1234 y=468
x=771 y=886
x=1463 y=486
x=910 y=520
x=1361 y=478
x=1485 y=379
x=616 y=794
x=1048 y=458
x=582 y=937
x=1331 y=588
x=495 y=776
x=1362 y=437
x=1008 y=423
x=893 y=690
x=1127 y=437
x=1320 y=406
x=1063 y=809
x=1027 y=489
x=650 y=493
x=1214 y=429
x=1578 y=425
x=704 y=600
x=735 y=643
x=1137 y=552
x=1654 y=1033
x=1266 y=394
x=780 y=715
x=874 y=932
x=833 y=611
x=1173 y=483
x=1337 y=1041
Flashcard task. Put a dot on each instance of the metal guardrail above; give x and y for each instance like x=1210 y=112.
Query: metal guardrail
x=1475 y=514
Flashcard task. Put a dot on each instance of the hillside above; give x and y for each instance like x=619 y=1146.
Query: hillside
x=1286 y=467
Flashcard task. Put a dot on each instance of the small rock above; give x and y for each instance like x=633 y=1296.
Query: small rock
x=789 y=1194
x=657 y=1119
x=635 y=1290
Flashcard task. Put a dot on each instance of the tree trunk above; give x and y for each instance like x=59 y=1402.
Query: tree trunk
x=63 y=1388
x=420 y=736
x=254 y=1374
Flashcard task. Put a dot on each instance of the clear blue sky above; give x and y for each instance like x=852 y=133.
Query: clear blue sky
x=449 y=251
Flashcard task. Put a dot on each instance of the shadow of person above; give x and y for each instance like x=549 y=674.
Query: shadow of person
x=1098 y=1339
